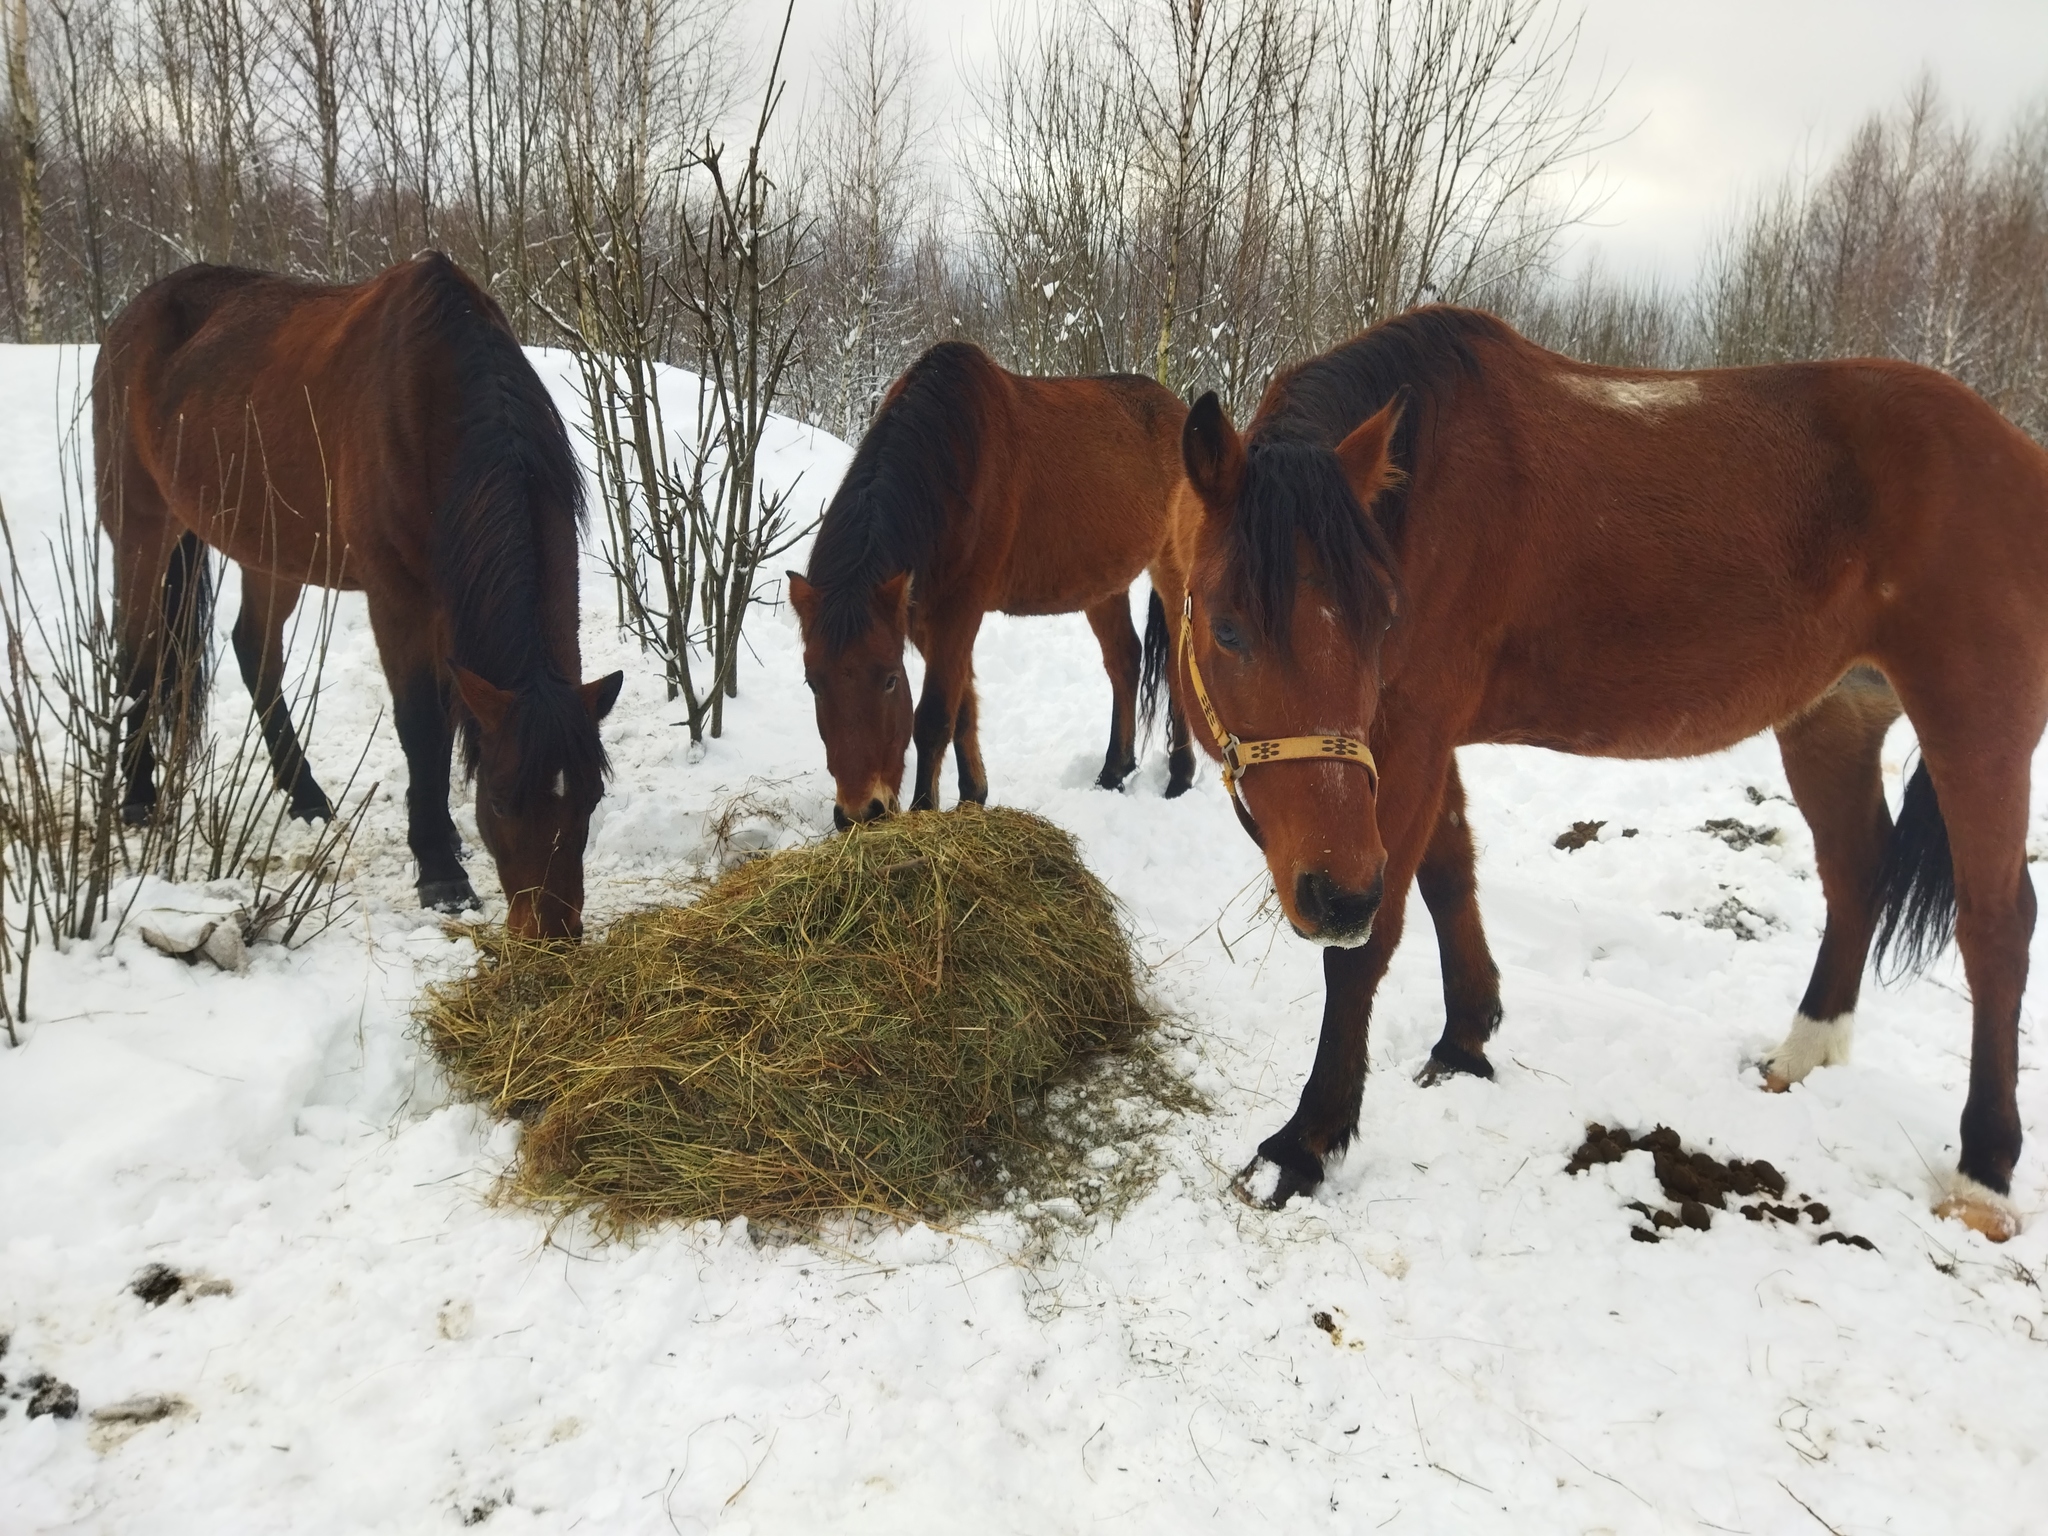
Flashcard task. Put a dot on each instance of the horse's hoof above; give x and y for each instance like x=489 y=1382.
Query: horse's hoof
x=449 y=896
x=1115 y=778
x=1267 y=1186
x=1447 y=1060
x=1282 y=1169
x=137 y=813
x=310 y=811
x=1176 y=788
x=1980 y=1208
x=1811 y=1043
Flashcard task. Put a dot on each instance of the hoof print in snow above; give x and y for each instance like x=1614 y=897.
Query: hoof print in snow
x=157 y=1284
x=1699 y=1184
x=1740 y=834
x=1734 y=916
x=1582 y=833
x=49 y=1397
x=484 y=1508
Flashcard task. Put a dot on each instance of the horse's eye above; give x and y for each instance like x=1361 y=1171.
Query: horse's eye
x=1227 y=635
x=889 y=683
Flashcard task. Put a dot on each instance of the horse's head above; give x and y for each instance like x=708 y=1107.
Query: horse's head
x=1291 y=589
x=539 y=771
x=853 y=665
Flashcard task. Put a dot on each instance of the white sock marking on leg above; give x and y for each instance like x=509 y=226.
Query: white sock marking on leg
x=1812 y=1043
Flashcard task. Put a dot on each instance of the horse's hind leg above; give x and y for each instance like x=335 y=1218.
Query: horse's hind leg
x=139 y=568
x=1831 y=755
x=1449 y=884
x=1123 y=659
x=267 y=604
x=145 y=544
x=1976 y=745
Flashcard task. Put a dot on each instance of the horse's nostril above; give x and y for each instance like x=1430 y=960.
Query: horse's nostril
x=1327 y=908
x=1311 y=895
x=875 y=809
x=840 y=819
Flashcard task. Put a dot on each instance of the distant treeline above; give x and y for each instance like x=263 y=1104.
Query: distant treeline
x=1199 y=190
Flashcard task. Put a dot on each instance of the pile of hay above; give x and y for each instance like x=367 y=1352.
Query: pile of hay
x=855 y=1024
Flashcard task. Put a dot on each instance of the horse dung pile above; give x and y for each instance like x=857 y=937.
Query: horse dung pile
x=851 y=1025
x=1700 y=1184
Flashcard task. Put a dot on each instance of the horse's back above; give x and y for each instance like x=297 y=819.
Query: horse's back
x=297 y=427
x=1086 y=486
x=1666 y=562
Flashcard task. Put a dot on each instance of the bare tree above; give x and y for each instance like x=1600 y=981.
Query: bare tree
x=27 y=126
x=319 y=47
x=874 y=200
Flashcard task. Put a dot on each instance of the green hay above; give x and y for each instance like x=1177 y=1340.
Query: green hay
x=852 y=1025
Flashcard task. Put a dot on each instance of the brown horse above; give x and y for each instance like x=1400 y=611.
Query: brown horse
x=978 y=489
x=1440 y=533
x=388 y=438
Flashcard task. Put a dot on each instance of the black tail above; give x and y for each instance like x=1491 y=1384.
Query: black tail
x=1916 y=887
x=1158 y=654
x=185 y=668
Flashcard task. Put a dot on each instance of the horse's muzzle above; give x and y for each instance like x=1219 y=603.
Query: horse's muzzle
x=1328 y=914
x=879 y=804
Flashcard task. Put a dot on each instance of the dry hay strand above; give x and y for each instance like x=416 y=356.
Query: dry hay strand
x=851 y=1025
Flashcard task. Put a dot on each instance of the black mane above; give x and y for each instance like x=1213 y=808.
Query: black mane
x=910 y=470
x=1296 y=493
x=514 y=499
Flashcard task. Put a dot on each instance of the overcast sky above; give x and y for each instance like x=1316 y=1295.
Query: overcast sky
x=1713 y=100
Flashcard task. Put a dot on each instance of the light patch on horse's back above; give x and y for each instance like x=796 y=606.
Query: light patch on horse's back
x=1644 y=397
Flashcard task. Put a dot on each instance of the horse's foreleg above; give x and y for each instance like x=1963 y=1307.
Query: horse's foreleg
x=1832 y=761
x=1180 y=759
x=267 y=604
x=1123 y=659
x=1290 y=1162
x=421 y=709
x=1450 y=889
x=967 y=748
x=948 y=675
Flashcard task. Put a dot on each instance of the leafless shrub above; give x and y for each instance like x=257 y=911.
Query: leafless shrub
x=679 y=253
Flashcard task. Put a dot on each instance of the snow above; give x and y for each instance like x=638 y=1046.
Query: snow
x=382 y=1348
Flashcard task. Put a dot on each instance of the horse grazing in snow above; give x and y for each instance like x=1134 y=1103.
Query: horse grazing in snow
x=388 y=438
x=1440 y=533
x=978 y=489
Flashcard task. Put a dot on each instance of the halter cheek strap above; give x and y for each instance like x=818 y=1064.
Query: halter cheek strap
x=1240 y=756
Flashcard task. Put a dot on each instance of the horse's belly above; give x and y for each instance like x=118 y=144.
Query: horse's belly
x=1657 y=717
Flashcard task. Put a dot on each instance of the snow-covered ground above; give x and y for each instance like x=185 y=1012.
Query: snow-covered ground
x=382 y=1349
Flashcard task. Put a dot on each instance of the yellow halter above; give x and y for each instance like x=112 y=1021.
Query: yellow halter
x=1240 y=756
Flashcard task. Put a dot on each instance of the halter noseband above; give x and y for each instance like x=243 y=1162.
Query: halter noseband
x=1240 y=756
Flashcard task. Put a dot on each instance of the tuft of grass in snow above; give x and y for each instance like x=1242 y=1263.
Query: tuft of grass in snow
x=869 y=1023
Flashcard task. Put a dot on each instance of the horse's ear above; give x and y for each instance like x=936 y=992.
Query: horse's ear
x=1367 y=454
x=600 y=696
x=1211 y=451
x=487 y=701
x=803 y=597
x=892 y=602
